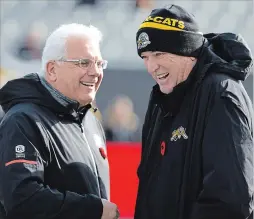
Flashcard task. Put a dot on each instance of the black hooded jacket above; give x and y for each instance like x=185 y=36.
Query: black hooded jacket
x=197 y=143
x=53 y=157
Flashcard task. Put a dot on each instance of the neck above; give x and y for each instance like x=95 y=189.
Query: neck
x=59 y=97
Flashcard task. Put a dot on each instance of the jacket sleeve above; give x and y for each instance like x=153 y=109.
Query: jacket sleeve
x=227 y=163
x=23 y=193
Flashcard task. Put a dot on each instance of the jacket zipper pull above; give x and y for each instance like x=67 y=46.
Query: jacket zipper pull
x=81 y=127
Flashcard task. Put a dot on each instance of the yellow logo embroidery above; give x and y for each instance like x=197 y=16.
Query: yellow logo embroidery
x=178 y=133
x=163 y=23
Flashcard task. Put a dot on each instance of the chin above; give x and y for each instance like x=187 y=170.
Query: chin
x=88 y=99
x=166 y=90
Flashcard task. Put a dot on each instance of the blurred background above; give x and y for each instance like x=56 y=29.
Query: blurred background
x=123 y=96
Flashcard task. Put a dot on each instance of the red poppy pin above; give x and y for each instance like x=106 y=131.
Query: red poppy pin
x=163 y=148
x=103 y=152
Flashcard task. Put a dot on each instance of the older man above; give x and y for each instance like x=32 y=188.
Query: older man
x=52 y=147
x=197 y=145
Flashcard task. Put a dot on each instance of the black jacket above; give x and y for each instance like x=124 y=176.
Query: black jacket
x=197 y=144
x=53 y=157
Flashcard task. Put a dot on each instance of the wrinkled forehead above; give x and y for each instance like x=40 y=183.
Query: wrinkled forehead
x=81 y=47
x=153 y=53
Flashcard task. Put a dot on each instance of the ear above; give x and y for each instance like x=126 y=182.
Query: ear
x=51 y=73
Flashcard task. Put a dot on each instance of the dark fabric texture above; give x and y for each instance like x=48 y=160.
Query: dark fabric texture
x=51 y=164
x=197 y=142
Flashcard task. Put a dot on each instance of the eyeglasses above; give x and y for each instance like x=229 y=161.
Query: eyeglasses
x=87 y=63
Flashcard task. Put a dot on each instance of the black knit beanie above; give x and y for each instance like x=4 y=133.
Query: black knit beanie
x=170 y=29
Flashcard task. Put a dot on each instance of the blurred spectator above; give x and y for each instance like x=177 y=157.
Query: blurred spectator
x=144 y=4
x=86 y=2
x=6 y=75
x=30 y=47
x=121 y=122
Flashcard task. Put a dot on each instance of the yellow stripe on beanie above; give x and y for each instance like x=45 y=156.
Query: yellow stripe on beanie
x=158 y=26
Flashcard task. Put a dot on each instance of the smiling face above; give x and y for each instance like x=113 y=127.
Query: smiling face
x=167 y=69
x=73 y=80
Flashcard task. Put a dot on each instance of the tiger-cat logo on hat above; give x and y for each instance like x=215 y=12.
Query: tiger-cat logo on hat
x=143 y=40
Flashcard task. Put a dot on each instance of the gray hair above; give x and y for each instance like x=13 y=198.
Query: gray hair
x=54 y=48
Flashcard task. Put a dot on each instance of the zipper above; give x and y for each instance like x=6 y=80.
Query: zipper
x=92 y=157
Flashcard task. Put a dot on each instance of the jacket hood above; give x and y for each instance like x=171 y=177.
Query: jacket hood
x=229 y=54
x=29 y=89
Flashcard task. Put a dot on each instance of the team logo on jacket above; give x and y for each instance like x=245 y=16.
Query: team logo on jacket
x=143 y=40
x=178 y=133
x=20 y=151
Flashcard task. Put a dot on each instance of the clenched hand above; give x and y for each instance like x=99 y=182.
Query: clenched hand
x=110 y=210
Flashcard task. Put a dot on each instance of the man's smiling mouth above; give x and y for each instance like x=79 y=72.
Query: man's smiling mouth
x=88 y=84
x=162 y=76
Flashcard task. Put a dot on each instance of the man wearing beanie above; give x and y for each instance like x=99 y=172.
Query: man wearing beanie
x=197 y=140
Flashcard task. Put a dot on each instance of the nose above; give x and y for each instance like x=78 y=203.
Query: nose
x=152 y=66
